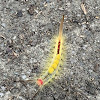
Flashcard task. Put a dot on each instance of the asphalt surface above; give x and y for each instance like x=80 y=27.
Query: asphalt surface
x=26 y=30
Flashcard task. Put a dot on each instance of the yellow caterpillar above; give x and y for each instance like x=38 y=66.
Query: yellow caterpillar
x=55 y=63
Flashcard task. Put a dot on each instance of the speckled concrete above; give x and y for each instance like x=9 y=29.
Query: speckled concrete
x=26 y=29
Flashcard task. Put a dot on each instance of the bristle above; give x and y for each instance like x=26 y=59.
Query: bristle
x=61 y=28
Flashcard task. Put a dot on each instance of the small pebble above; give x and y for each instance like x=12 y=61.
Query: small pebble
x=3 y=24
x=31 y=10
x=3 y=88
x=1 y=94
x=14 y=37
x=24 y=76
x=19 y=13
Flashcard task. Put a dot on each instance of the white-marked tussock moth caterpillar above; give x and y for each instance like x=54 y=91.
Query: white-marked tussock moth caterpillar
x=54 y=65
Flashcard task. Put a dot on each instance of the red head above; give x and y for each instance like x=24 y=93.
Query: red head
x=40 y=82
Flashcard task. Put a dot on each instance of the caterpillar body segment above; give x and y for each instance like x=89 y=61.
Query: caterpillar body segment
x=56 y=60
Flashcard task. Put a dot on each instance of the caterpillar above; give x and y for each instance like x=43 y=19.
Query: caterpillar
x=55 y=63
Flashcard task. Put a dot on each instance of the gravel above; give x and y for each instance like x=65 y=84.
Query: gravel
x=26 y=29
